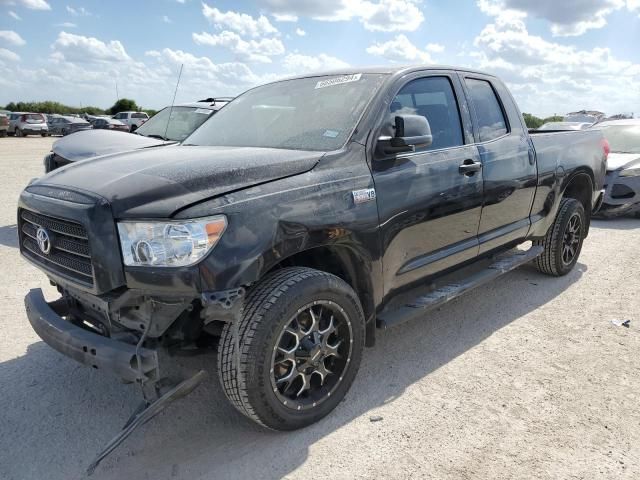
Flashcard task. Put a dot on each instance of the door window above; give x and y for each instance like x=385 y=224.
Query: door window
x=489 y=115
x=432 y=98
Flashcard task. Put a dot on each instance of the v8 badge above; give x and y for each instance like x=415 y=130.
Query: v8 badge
x=362 y=196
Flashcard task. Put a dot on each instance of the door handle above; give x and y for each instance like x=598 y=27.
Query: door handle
x=469 y=167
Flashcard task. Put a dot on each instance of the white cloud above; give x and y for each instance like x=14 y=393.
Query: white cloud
x=567 y=18
x=380 y=15
x=252 y=50
x=391 y=16
x=166 y=19
x=399 y=49
x=30 y=4
x=545 y=75
x=298 y=63
x=239 y=22
x=9 y=37
x=9 y=55
x=14 y=15
x=66 y=25
x=81 y=49
x=78 y=12
x=434 y=47
x=283 y=17
x=300 y=32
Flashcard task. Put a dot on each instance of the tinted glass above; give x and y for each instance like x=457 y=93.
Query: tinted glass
x=139 y=115
x=489 y=116
x=183 y=121
x=314 y=113
x=433 y=98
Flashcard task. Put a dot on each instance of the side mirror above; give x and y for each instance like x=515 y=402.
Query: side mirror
x=411 y=131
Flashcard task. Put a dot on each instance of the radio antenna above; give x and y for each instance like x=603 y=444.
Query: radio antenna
x=173 y=101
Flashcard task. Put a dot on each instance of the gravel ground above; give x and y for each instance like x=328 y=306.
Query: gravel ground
x=523 y=378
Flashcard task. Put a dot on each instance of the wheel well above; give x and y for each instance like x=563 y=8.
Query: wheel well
x=345 y=264
x=580 y=187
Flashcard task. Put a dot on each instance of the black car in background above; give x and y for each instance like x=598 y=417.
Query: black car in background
x=106 y=123
x=64 y=125
x=169 y=126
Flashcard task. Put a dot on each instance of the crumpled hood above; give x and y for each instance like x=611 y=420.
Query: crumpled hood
x=619 y=160
x=92 y=143
x=156 y=182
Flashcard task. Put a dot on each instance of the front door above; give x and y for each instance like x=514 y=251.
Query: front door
x=429 y=201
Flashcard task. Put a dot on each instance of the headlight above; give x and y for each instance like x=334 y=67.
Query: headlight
x=630 y=172
x=169 y=243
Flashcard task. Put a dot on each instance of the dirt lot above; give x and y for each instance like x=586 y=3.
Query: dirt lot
x=524 y=378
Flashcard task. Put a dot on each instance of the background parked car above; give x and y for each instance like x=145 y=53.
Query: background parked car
x=588 y=116
x=109 y=124
x=179 y=121
x=622 y=183
x=132 y=119
x=64 y=125
x=182 y=120
x=4 y=124
x=565 y=126
x=22 y=124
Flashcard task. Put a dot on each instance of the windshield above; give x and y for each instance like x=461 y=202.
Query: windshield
x=623 y=138
x=317 y=113
x=183 y=121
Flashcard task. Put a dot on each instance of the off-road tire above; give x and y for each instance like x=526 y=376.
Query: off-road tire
x=550 y=261
x=268 y=307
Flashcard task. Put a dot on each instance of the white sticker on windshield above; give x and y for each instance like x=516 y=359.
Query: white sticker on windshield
x=330 y=82
x=206 y=111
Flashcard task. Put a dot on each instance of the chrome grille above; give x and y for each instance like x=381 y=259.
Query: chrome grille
x=69 y=252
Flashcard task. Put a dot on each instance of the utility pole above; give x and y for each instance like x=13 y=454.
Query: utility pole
x=117 y=94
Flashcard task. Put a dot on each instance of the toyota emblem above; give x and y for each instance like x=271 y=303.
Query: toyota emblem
x=44 y=242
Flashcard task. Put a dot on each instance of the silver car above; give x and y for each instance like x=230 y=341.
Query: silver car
x=622 y=183
x=22 y=124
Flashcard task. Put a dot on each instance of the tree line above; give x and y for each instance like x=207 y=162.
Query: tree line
x=122 y=105
x=535 y=122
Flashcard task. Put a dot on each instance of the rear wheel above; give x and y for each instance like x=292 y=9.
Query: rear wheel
x=563 y=241
x=3 y=133
x=300 y=340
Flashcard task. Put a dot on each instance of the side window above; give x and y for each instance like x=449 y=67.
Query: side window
x=489 y=115
x=433 y=98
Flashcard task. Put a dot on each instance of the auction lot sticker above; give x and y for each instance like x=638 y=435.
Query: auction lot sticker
x=330 y=82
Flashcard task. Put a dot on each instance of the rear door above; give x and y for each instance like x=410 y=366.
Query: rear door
x=508 y=162
x=429 y=208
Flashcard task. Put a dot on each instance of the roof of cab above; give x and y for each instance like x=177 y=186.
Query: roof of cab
x=386 y=69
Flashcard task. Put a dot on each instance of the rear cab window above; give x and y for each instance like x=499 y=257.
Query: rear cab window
x=489 y=116
x=139 y=115
x=434 y=99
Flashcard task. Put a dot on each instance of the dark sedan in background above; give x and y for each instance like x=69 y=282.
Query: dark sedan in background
x=622 y=183
x=169 y=126
x=102 y=123
x=63 y=125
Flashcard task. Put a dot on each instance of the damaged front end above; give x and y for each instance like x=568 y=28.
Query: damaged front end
x=123 y=332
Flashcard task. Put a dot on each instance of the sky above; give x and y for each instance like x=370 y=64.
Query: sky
x=556 y=56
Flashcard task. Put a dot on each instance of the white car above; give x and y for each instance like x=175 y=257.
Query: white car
x=132 y=119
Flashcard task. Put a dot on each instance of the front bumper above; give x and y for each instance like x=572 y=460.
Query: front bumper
x=124 y=360
x=622 y=195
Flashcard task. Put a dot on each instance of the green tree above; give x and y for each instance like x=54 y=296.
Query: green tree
x=123 y=105
x=532 y=121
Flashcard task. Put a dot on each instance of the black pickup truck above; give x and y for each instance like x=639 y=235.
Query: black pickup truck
x=306 y=214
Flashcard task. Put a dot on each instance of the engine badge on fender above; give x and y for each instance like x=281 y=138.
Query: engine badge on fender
x=362 y=196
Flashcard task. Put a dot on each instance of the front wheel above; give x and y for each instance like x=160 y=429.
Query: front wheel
x=18 y=132
x=300 y=339
x=563 y=241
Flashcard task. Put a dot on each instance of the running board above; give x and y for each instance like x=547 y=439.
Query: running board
x=418 y=306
